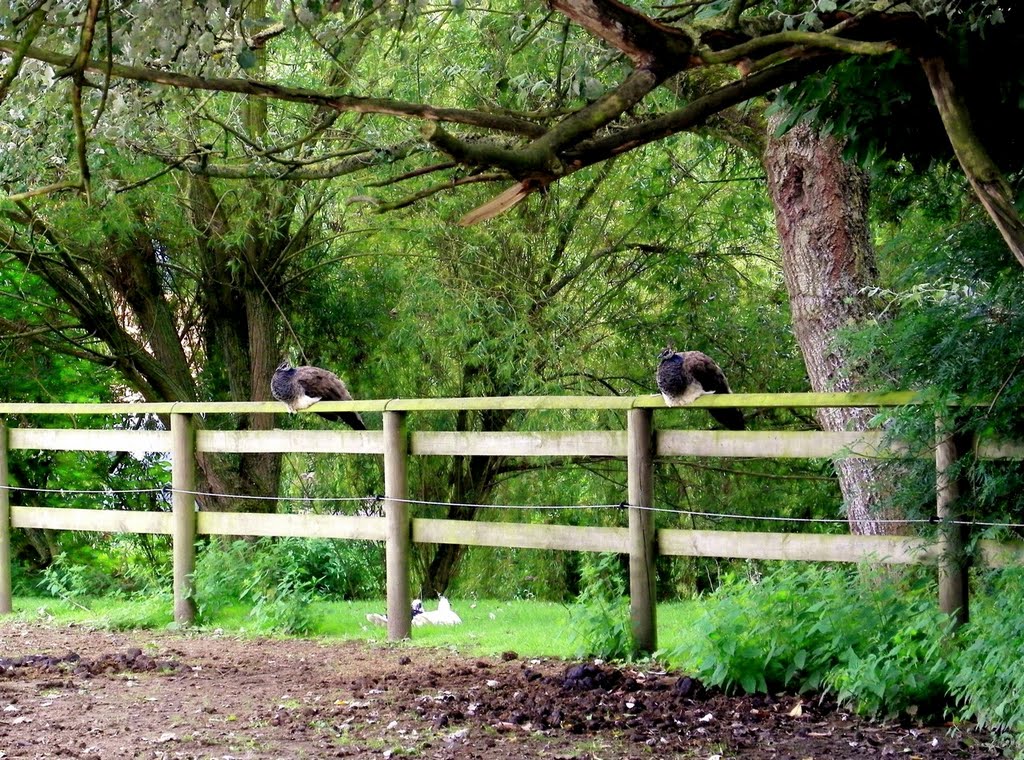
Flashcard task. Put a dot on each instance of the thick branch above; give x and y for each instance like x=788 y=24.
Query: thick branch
x=81 y=137
x=696 y=112
x=603 y=111
x=77 y=72
x=981 y=171
x=516 y=161
x=259 y=89
x=820 y=40
x=540 y=158
x=88 y=32
x=46 y=190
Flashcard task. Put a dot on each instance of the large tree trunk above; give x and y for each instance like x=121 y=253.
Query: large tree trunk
x=821 y=207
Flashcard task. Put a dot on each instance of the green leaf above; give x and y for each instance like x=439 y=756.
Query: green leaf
x=246 y=58
x=800 y=659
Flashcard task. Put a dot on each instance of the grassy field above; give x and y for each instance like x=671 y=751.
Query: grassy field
x=489 y=627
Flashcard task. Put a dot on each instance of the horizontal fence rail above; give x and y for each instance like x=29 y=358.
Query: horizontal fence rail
x=638 y=444
x=749 y=444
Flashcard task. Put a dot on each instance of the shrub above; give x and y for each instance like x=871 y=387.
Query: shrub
x=780 y=631
x=335 y=569
x=901 y=664
x=71 y=581
x=873 y=638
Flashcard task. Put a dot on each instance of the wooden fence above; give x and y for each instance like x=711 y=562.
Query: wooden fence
x=639 y=443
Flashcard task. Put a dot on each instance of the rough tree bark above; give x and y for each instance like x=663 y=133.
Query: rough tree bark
x=821 y=207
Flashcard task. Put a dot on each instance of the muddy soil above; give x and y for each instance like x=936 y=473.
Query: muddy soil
x=70 y=692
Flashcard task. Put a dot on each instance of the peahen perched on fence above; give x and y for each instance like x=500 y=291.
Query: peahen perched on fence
x=685 y=376
x=301 y=387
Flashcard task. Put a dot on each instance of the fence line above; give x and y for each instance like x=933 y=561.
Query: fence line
x=748 y=444
x=375 y=499
x=639 y=444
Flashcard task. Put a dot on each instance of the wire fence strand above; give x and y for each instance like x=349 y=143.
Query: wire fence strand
x=379 y=498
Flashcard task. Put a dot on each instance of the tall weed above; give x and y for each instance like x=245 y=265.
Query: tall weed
x=600 y=617
x=901 y=663
x=71 y=581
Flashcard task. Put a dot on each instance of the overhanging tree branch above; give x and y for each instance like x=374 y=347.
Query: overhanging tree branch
x=799 y=39
x=648 y=43
x=254 y=88
x=697 y=111
x=296 y=173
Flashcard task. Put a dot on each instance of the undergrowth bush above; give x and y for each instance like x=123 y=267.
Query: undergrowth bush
x=70 y=580
x=122 y=565
x=600 y=617
x=280 y=578
x=871 y=637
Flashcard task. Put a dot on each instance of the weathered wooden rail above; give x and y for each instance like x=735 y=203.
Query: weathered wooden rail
x=639 y=444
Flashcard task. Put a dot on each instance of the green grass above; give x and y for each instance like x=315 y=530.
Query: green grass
x=99 y=612
x=489 y=627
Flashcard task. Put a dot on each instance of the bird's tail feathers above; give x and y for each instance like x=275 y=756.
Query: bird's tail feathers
x=352 y=419
x=729 y=418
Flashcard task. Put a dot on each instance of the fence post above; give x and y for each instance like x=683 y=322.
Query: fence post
x=953 y=580
x=399 y=528
x=6 y=601
x=183 y=502
x=640 y=466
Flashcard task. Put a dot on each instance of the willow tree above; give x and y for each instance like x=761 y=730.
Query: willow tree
x=576 y=294
x=177 y=280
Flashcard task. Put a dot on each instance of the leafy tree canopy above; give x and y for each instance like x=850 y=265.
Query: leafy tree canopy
x=514 y=94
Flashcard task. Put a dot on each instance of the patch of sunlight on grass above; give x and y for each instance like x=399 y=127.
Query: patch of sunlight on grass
x=489 y=627
x=97 y=612
x=230 y=617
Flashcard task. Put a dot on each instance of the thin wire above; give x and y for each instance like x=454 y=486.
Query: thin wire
x=987 y=524
x=506 y=506
x=169 y=490
x=424 y=502
x=836 y=520
x=273 y=498
x=78 y=491
x=726 y=515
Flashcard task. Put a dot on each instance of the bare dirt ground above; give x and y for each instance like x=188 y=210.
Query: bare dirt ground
x=70 y=692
